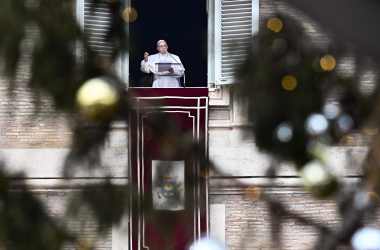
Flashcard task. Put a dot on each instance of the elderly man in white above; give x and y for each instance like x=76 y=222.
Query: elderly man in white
x=163 y=79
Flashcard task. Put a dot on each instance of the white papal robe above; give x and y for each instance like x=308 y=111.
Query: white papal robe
x=162 y=80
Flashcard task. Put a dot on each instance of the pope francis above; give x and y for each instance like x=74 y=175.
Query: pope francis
x=168 y=78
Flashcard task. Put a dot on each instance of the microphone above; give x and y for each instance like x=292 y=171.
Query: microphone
x=184 y=73
x=184 y=79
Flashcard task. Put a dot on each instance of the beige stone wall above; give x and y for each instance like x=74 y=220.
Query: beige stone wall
x=233 y=149
x=21 y=128
x=84 y=226
x=246 y=221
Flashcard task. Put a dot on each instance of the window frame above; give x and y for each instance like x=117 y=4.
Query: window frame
x=214 y=44
x=215 y=65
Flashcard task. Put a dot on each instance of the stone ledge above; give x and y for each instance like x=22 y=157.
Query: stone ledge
x=238 y=186
x=45 y=163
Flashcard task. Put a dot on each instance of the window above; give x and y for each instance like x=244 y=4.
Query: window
x=96 y=21
x=230 y=25
x=234 y=23
x=183 y=24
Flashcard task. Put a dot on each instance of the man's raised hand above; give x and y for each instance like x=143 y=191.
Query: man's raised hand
x=146 y=54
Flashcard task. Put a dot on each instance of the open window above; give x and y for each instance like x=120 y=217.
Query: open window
x=210 y=36
x=183 y=24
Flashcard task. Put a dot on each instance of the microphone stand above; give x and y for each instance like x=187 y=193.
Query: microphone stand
x=184 y=74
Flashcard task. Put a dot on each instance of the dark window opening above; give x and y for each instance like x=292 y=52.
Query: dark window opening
x=183 y=24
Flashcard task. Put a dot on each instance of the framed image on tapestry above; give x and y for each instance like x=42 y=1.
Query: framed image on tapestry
x=168 y=185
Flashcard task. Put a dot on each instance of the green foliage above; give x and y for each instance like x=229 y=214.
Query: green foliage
x=107 y=202
x=24 y=221
x=283 y=82
x=47 y=31
x=44 y=36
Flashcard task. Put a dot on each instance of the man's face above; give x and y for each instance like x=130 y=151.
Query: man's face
x=162 y=47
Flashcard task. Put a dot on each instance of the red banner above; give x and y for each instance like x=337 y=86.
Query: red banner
x=169 y=207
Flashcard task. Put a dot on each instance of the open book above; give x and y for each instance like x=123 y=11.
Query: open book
x=164 y=68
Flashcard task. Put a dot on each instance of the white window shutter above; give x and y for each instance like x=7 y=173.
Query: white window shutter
x=95 y=21
x=235 y=22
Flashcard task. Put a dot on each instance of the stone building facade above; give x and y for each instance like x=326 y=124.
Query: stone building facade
x=38 y=146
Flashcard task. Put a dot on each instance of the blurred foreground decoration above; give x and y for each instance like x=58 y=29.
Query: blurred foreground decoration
x=296 y=94
x=97 y=99
x=24 y=222
x=44 y=52
x=347 y=21
x=302 y=98
x=366 y=239
x=206 y=244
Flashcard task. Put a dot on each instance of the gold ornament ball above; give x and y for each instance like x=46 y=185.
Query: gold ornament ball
x=130 y=15
x=97 y=99
x=275 y=24
x=327 y=63
x=289 y=82
x=318 y=179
